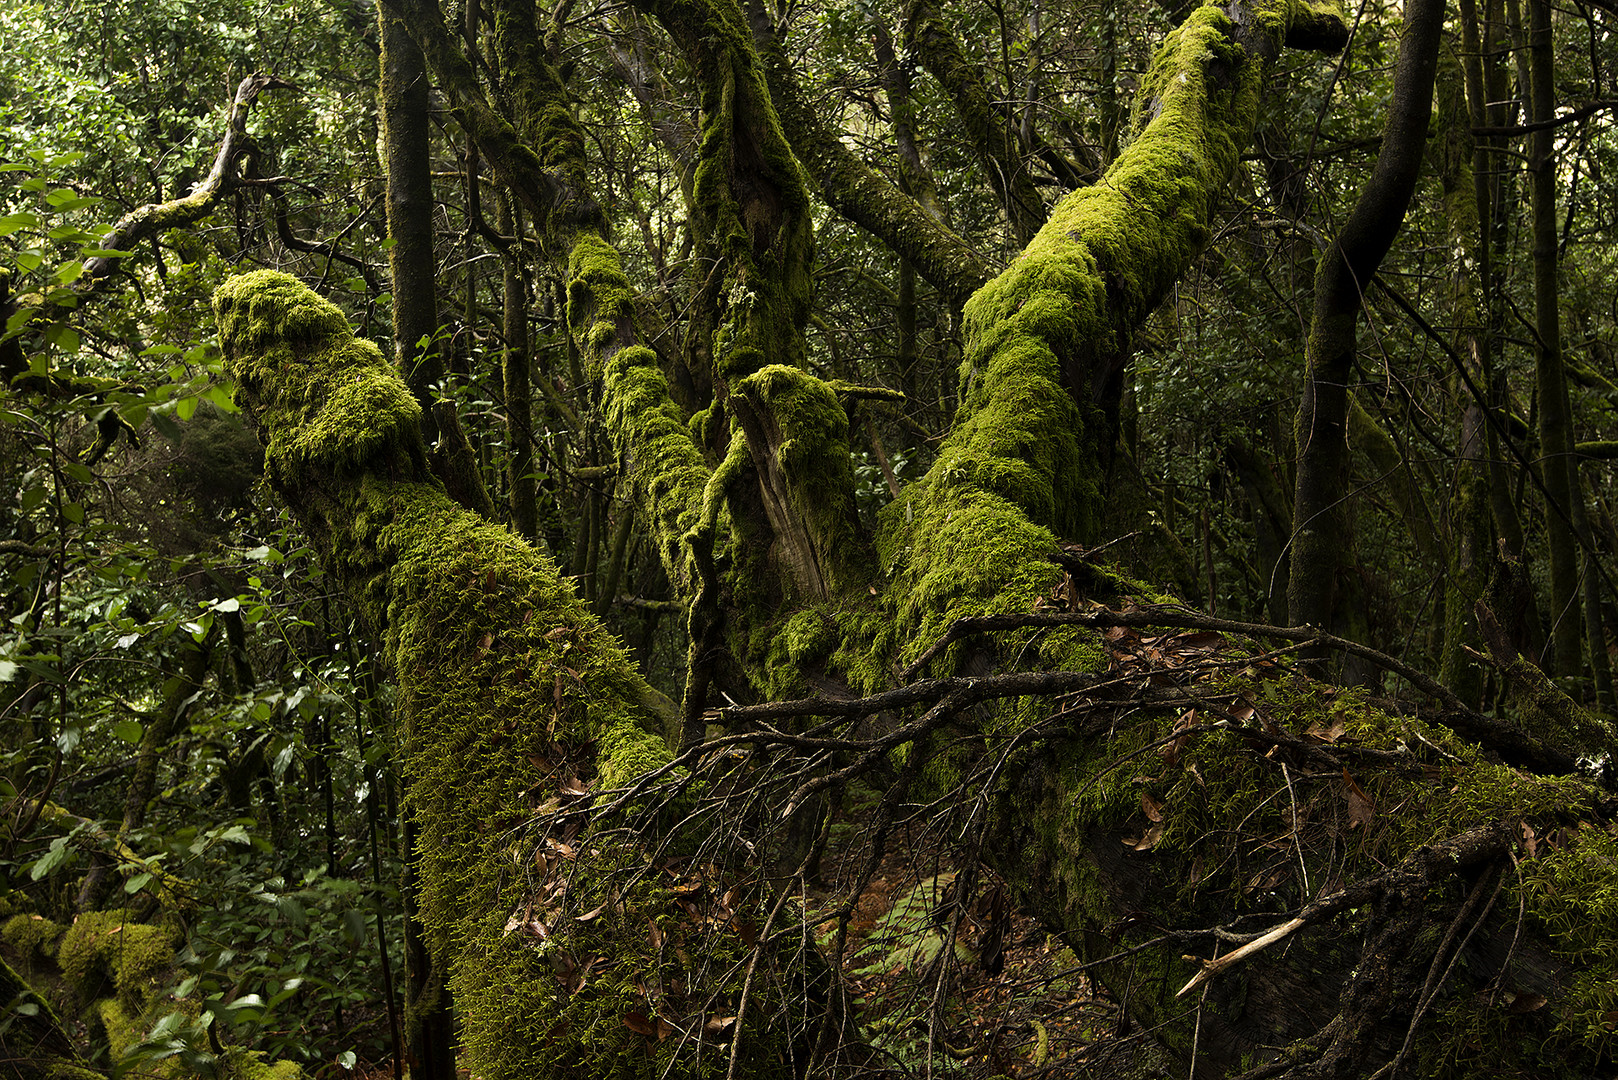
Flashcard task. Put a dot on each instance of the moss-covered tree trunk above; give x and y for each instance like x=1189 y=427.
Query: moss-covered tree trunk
x=1273 y=801
x=1550 y=377
x=406 y=147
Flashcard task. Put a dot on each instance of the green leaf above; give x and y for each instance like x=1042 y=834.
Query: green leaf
x=136 y=883
x=63 y=337
x=69 y=272
x=49 y=861
x=129 y=731
x=221 y=396
x=13 y=222
x=105 y=253
x=185 y=408
x=165 y=425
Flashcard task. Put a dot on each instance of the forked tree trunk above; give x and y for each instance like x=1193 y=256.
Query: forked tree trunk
x=1179 y=798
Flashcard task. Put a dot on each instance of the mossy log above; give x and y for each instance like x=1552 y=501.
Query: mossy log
x=564 y=949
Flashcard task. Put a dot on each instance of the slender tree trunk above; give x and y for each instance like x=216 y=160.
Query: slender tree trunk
x=1321 y=537
x=1555 y=419
x=405 y=131
x=518 y=387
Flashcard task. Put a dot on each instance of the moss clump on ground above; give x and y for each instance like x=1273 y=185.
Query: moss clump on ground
x=104 y=950
x=31 y=940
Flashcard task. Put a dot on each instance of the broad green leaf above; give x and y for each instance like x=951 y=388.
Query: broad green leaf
x=13 y=222
x=49 y=861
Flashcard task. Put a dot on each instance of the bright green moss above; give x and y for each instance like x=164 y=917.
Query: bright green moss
x=31 y=940
x=662 y=460
x=104 y=948
x=512 y=698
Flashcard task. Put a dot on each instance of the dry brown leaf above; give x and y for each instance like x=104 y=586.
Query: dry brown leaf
x=588 y=915
x=1154 y=833
x=1360 y=807
x=716 y=1024
x=1151 y=807
x=1530 y=840
x=1327 y=734
x=653 y=934
x=1201 y=640
x=640 y=1024
x=1527 y=1003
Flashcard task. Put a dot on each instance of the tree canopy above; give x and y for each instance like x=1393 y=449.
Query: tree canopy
x=722 y=538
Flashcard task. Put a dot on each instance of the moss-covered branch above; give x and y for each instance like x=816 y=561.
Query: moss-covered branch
x=861 y=195
x=513 y=703
x=988 y=130
x=544 y=182
x=1046 y=341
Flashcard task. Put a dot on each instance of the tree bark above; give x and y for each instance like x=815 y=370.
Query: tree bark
x=405 y=131
x=1555 y=412
x=1321 y=537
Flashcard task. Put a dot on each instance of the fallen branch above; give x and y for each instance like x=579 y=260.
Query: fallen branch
x=1513 y=745
x=1419 y=868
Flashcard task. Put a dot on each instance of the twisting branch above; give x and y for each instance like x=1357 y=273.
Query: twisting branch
x=1419 y=869
x=1512 y=744
x=154 y=218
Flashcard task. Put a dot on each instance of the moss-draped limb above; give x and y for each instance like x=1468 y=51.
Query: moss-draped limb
x=858 y=193
x=511 y=699
x=546 y=183
x=662 y=463
x=752 y=209
x=1046 y=340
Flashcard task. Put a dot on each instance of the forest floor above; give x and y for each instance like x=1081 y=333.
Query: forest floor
x=1007 y=1000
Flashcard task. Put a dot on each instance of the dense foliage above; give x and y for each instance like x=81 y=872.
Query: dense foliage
x=196 y=722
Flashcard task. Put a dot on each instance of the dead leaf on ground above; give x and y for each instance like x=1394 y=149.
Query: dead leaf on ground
x=1360 y=807
x=1148 y=840
x=1151 y=807
x=1327 y=734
